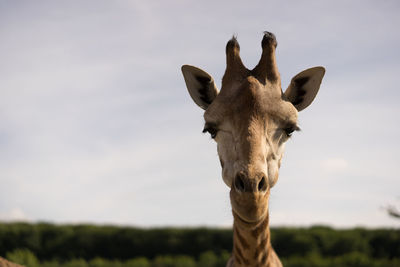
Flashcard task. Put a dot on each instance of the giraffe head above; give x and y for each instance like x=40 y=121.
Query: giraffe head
x=251 y=119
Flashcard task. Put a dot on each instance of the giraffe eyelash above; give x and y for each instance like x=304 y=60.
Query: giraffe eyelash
x=211 y=129
x=291 y=129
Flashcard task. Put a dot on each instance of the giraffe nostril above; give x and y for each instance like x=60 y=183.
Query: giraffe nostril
x=262 y=185
x=239 y=183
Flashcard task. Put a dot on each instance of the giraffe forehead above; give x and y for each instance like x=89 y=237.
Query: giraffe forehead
x=248 y=100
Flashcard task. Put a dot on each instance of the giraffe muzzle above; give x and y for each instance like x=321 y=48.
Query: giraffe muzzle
x=243 y=183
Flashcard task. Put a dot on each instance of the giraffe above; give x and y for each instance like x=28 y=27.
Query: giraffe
x=250 y=119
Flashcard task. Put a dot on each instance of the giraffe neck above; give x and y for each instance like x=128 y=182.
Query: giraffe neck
x=252 y=244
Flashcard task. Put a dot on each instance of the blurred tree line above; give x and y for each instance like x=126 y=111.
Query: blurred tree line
x=51 y=245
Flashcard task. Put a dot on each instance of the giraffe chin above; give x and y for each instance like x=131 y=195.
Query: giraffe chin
x=245 y=223
x=247 y=220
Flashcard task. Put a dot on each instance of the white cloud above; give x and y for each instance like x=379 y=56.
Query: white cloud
x=15 y=214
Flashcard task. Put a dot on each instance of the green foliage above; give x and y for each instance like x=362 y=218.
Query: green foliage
x=76 y=263
x=163 y=261
x=87 y=241
x=138 y=262
x=23 y=257
x=347 y=260
x=52 y=263
x=177 y=261
x=354 y=259
x=48 y=245
x=208 y=259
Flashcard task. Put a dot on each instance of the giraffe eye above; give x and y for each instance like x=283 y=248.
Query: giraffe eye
x=289 y=130
x=211 y=130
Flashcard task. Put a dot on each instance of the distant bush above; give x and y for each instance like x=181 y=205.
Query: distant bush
x=76 y=263
x=347 y=260
x=111 y=246
x=138 y=262
x=52 y=263
x=208 y=259
x=23 y=257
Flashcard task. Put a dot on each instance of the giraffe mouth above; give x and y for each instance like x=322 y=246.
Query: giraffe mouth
x=249 y=208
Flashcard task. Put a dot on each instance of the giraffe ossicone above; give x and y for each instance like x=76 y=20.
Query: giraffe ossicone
x=251 y=119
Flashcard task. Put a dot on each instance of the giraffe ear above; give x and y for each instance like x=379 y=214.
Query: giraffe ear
x=304 y=87
x=201 y=86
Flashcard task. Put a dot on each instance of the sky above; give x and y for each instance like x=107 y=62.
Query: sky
x=97 y=126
